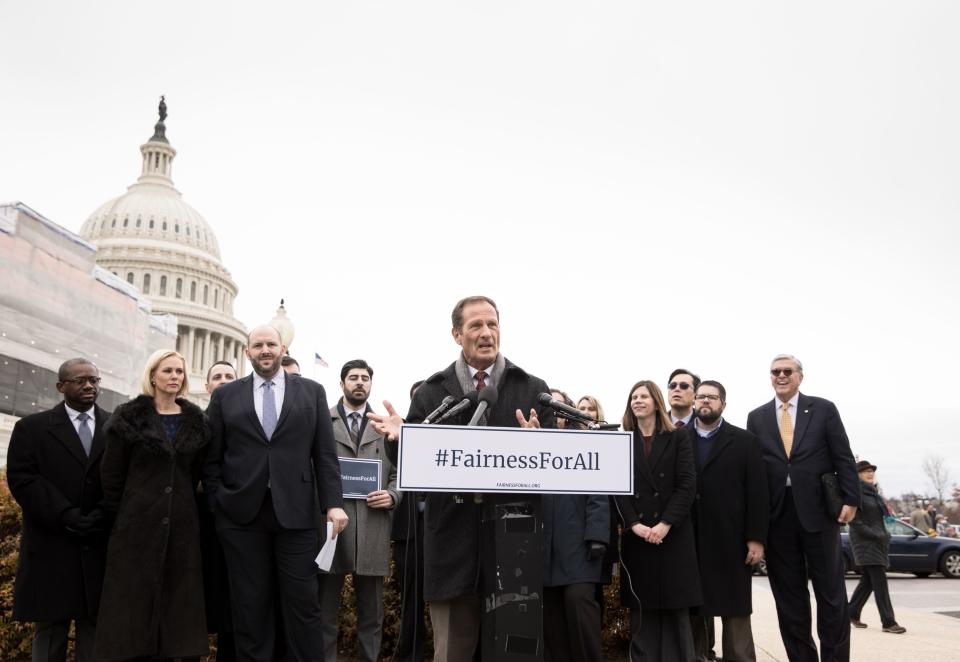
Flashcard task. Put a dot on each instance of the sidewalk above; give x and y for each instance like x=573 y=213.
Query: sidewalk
x=929 y=637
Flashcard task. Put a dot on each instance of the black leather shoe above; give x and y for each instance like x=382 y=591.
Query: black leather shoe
x=857 y=623
x=895 y=629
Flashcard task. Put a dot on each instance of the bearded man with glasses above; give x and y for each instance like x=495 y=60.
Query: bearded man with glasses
x=730 y=516
x=805 y=449
x=53 y=469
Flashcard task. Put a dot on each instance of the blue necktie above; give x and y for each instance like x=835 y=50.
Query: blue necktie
x=86 y=435
x=269 y=421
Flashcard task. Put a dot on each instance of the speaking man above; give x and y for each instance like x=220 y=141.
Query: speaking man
x=730 y=517
x=363 y=548
x=803 y=440
x=53 y=469
x=271 y=460
x=452 y=525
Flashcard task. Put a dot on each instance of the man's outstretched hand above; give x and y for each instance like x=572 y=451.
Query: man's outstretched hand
x=387 y=424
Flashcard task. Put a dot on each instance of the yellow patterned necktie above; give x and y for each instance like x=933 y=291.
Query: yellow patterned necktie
x=786 y=429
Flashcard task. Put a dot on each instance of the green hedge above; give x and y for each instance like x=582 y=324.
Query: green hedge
x=15 y=637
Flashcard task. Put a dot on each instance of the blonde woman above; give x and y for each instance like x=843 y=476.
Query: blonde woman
x=152 y=603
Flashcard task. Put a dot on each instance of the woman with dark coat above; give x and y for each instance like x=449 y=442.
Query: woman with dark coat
x=576 y=528
x=870 y=541
x=660 y=580
x=152 y=602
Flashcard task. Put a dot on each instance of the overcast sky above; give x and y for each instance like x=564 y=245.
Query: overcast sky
x=639 y=185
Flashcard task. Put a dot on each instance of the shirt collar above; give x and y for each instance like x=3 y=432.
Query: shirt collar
x=277 y=379
x=347 y=409
x=73 y=413
x=794 y=402
x=706 y=434
x=488 y=371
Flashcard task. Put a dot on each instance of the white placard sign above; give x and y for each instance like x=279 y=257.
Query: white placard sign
x=448 y=458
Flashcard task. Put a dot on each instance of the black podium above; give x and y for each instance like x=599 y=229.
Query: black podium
x=511 y=558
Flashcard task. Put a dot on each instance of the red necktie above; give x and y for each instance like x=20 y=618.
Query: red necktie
x=679 y=424
x=481 y=375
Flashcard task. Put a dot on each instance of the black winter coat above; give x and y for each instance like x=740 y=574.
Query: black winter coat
x=732 y=506
x=451 y=539
x=570 y=523
x=869 y=537
x=59 y=573
x=663 y=576
x=152 y=604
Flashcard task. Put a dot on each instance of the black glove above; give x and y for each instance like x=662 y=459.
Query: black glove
x=93 y=522
x=69 y=519
x=596 y=550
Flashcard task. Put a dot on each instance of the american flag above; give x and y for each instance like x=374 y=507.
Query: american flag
x=318 y=360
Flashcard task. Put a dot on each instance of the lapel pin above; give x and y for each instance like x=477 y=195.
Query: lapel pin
x=806 y=411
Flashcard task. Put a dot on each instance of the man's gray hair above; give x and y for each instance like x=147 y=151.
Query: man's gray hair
x=788 y=357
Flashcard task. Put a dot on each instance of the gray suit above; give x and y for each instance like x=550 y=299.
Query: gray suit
x=363 y=548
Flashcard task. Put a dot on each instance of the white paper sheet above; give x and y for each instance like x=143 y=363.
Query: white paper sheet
x=325 y=558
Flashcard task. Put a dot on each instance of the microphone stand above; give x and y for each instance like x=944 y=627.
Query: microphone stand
x=593 y=425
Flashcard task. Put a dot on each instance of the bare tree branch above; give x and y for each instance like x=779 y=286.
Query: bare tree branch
x=936 y=470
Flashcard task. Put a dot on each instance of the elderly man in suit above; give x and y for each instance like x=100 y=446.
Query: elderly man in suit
x=803 y=440
x=53 y=468
x=364 y=546
x=272 y=459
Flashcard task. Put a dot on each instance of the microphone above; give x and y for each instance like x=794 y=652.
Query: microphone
x=547 y=400
x=469 y=400
x=488 y=397
x=444 y=406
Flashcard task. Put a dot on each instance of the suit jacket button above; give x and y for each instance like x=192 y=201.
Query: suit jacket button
x=656 y=514
x=661 y=474
x=165 y=520
x=656 y=494
x=641 y=515
x=167 y=490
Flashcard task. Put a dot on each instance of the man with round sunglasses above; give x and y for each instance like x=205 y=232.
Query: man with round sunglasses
x=681 y=389
x=805 y=446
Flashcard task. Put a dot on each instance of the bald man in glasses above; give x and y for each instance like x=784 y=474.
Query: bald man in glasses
x=804 y=448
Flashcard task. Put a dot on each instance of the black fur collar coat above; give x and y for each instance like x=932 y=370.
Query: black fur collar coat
x=152 y=601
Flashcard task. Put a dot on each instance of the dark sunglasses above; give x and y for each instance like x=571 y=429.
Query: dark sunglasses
x=786 y=372
x=683 y=386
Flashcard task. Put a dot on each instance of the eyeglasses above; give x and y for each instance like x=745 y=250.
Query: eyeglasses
x=683 y=386
x=786 y=372
x=704 y=397
x=80 y=381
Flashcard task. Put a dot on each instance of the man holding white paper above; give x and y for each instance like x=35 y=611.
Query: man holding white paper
x=370 y=494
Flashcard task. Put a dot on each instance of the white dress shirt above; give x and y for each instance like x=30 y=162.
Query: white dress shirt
x=74 y=414
x=279 y=385
x=488 y=379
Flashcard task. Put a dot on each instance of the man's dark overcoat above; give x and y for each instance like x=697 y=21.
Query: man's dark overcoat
x=452 y=530
x=59 y=573
x=732 y=506
x=663 y=576
x=152 y=604
x=869 y=537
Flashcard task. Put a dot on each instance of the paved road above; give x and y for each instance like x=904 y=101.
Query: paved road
x=921 y=606
x=935 y=594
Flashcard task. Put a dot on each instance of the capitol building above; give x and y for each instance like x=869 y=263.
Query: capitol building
x=158 y=243
x=143 y=274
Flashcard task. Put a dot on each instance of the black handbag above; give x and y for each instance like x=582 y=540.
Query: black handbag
x=831 y=494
